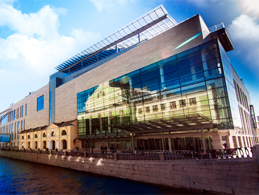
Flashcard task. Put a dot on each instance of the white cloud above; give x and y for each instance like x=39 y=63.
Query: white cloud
x=249 y=7
x=37 y=42
x=244 y=28
x=34 y=48
x=202 y=3
x=245 y=31
x=109 y=4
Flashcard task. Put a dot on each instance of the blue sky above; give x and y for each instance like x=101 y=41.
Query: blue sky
x=37 y=35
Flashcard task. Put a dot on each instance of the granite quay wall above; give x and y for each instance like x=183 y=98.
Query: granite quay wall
x=232 y=176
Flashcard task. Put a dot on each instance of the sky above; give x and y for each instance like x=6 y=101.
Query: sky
x=38 y=35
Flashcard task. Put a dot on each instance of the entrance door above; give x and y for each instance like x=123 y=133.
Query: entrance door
x=64 y=144
x=53 y=144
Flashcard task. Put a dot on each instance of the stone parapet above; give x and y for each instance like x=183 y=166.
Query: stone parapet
x=232 y=176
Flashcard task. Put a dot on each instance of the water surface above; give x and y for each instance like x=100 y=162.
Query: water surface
x=21 y=177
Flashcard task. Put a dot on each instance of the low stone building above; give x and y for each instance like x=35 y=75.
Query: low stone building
x=54 y=136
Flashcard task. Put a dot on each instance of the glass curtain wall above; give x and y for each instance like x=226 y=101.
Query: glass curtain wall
x=189 y=83
x=230 y=88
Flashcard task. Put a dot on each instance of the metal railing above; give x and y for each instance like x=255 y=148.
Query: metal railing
x=138 y=156
x=233 y=153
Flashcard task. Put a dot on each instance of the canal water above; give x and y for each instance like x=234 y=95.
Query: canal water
x=21 y=177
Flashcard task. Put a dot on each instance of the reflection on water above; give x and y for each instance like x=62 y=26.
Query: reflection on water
x=20 y=177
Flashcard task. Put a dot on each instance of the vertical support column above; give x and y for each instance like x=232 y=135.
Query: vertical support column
x=57 y=145
x=132 y=142
x=132 y=106
x=116 y=47
x=139 y=38
x=109 y=122
x=101 y=122
x=244 y=141
x=203 y=141
x=121 y=121
x=90 y=125
x=230 y=143
x=163 y=145
x=170 y=144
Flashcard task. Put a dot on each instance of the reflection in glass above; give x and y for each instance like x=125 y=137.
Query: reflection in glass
x=178 y=86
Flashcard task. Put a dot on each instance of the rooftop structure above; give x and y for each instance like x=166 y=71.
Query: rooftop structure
x=146 y=27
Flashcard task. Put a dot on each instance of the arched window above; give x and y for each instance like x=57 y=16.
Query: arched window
x=35 y=136
x=44 y=135
x=29 y=137
x=63 y=132
x=52 y=134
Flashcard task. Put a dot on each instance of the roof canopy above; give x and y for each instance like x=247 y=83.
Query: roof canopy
x=186 y=123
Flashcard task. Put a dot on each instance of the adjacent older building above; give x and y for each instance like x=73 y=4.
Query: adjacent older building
x=154 y=83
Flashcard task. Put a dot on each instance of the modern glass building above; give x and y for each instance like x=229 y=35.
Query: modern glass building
x=154 y=83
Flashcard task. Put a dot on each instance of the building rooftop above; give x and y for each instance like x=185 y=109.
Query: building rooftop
x=146 y=27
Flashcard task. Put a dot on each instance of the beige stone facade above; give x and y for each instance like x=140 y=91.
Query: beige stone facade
x=26 y=116
x=61 y=136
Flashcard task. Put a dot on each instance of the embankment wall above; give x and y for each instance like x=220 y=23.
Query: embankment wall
x=233 y=176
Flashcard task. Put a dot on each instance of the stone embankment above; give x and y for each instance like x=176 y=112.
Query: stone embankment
x=232 y=176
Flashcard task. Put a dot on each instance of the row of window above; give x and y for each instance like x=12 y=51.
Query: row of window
x=44 y=135
x=21 y=111
x=14 y=129
x=241 y=97
x=182 y=104
x=14 y=114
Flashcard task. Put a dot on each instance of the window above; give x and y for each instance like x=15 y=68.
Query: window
x=162 y=107
x=140 y=110
x=25 y=109
x=155 y=108
x=29 y=137
x=182 y=103
x=173 y=105
x=40 y=103
x=192 y=101
x=35 y=136
x=44 y=135
x=18 y=125
x=100 y=94
x=22 y=137
x=148 y=109
x=64 y=132
x=21 y=111
x=14 y=114
x=52 y=134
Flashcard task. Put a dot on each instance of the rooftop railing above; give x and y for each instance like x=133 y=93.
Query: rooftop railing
x=217 y=27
